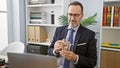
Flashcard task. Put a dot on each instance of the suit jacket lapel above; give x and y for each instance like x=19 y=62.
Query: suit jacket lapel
x=78 y=34
x=65 y=32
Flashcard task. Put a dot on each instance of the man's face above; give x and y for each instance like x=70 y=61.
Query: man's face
x=74 y=15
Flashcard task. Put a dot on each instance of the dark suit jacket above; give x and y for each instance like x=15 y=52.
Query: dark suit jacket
x=84 y=45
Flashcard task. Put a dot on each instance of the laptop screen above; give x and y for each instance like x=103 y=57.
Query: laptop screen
x=18 y=60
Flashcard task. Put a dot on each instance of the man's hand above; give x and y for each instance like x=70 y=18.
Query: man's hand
x=69 y=55
x=58 y=46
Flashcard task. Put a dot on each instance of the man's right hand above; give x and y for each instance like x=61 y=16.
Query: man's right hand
x=58 y=46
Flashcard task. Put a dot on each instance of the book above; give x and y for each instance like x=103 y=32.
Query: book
x=104 y=23
x=38 y=21
x=116 y=16
x=112 y=15
x=119 y=18
x=37 y=17
x=109 y=9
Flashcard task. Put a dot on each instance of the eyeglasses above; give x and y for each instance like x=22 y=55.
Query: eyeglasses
x=74 y=15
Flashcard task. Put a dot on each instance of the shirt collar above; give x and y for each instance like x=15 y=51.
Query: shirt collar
x=76 y=28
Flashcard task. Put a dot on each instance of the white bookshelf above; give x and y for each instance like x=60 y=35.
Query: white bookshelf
x=111 y=33
x=44 y=5
x=43 y=43
x=44 y=25
x=111 y=49
x=58 y=8
x=111 y=0
x=114 y=28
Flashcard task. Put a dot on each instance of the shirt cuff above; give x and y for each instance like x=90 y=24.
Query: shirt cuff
x=76 y=60
x=54 y=53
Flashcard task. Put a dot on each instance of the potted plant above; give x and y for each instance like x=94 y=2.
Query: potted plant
x=85 y=22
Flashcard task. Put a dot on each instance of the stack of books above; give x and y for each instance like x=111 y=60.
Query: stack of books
x=111 y=16
x=37 y=17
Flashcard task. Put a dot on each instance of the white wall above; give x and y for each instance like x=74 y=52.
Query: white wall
x=10 y=21
x=16 y=20
x=3 y=25
x=17 y=25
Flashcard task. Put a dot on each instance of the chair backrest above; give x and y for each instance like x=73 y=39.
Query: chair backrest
x=14 y=47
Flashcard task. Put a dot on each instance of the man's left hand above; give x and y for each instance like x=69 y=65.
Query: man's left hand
x=69 y=55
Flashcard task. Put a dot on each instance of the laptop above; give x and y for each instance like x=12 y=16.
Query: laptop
x=25 y=60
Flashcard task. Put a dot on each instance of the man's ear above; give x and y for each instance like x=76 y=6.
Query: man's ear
x=82 y=15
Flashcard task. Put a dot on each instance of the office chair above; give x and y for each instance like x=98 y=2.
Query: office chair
x=15 y=47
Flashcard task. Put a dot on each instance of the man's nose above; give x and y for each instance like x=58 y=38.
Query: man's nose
x=72 y=18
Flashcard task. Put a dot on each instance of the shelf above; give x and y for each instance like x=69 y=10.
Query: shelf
x=43 y=43
x=44 y=5
x=111 y=0
x=112 y=49
x=44 y=25
x=110 y=27
x=36 y=27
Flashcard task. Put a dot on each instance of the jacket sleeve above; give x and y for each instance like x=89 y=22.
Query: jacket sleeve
x=51 y=47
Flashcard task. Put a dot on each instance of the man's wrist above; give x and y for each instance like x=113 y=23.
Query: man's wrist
x=77 y=58
x=55 y=52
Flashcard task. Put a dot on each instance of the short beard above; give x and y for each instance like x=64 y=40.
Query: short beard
x=73 y=25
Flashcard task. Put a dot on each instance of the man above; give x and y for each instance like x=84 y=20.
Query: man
x=83 y=53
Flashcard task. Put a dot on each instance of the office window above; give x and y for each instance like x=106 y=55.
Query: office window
x=3 y=24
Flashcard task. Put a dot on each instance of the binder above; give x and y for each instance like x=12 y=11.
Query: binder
x=40 y=34
x=31 y=34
